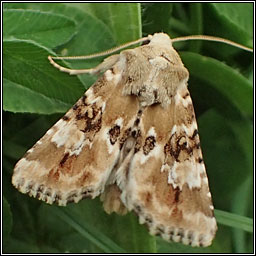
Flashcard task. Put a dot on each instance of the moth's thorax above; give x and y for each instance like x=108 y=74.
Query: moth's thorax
x=152 y=73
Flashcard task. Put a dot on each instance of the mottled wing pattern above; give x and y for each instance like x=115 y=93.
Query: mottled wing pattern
x=167 y=185
x=133 y=139
x=75 y=157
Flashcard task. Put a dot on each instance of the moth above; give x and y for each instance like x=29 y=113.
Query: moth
x=132 y=139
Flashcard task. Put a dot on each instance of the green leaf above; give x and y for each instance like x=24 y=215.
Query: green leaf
x=102 y=24
x=90 y=233
x=196 y=21
x=141 y=241
x=116 y=16
x=13 y=149
x=18 y=246
x=7 y=220
x=156 y=17
x=50 y=99
x=236 y=89
x=44 y=28
x=92 y=35
x=243 y=199
x=238 y=14
x=127 y=234
x=31 y=84
x=99 y=232
x=234 y=220
x=224 y=156
x=233 y=20
x=130 y=234
x=18 y=98
x=243 y=132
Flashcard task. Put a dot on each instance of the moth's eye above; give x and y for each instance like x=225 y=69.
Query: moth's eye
x=145 y=42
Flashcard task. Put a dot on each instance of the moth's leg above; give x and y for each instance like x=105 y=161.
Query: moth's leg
x=111 y=200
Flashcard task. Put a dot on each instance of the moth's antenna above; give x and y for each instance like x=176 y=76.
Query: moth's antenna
x=100 y=54
x=211 y=38
x=91 y=56
x=118 y=48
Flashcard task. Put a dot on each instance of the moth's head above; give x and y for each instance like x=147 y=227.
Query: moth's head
x=161 y=39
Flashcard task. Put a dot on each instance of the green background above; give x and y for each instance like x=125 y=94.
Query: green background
x=35 y=95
